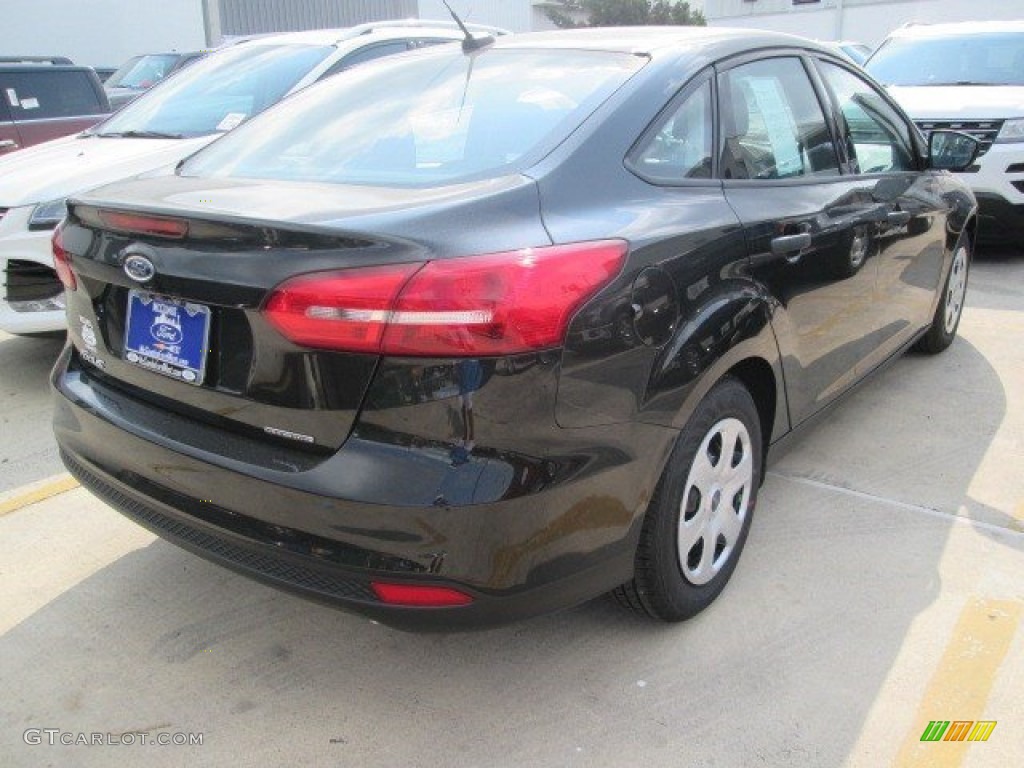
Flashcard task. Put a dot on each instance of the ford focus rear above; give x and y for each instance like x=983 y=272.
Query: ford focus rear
x=471 y=335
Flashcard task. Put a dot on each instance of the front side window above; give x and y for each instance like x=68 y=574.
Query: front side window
x=680 y=148
x=991 y=58
x=772 y=124
x=218 y=92
x=877 y=138
x=433 y=117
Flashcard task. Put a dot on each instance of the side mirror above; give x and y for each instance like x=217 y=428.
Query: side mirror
x=951 y=150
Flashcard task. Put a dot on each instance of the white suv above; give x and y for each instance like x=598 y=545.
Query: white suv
x=165 y=125
x=969 y=77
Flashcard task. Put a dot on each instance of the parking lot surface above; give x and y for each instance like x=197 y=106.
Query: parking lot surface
x=882 y=587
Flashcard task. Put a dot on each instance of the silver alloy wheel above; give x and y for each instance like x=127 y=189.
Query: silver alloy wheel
x=716 y=501
x=956 y=288
x=858 y=249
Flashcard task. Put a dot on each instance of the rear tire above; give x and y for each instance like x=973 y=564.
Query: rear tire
x=951 y=306
x=697 y=521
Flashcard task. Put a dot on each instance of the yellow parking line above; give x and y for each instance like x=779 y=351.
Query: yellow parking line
x=55 y=487
x=960 y=686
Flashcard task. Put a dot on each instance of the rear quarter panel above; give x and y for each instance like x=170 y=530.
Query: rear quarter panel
x=714 y=314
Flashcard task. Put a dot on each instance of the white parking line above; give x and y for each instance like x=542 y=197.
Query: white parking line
x=1005 y=529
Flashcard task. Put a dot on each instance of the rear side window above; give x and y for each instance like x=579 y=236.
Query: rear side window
x=877 y=138
x=363 y=55
x=433 y=117
x=41 y=95
x=372 y=52
x=681 y=145
x=773 y=126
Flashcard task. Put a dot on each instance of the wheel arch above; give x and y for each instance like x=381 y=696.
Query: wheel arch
x=756 y=374
x=757 y=365
x=971 y=228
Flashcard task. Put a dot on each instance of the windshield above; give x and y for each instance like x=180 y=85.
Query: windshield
x=424 y=119
x=142 y=71
x=968 y=59
x=217 y=92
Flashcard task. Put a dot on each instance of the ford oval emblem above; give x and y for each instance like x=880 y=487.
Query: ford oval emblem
x=139 y=268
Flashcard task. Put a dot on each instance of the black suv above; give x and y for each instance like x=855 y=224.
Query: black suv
x=46 y=98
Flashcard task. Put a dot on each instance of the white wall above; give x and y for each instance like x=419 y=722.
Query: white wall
x=99 y=32
x=867 y=21
x=818 y=25
x=513 y=15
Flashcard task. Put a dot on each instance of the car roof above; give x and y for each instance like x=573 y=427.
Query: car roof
x=168 y=53
x=45 y=68
x=381 y=29
x=958 y=29
x=35 y=60
x=652 y=40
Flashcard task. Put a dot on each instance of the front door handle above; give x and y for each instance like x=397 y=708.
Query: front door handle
x=790 y=246
x=898 y=218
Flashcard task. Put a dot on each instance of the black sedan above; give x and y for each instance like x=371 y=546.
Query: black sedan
x=473 y=334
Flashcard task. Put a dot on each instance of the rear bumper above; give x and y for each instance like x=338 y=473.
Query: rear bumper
x=533 y=553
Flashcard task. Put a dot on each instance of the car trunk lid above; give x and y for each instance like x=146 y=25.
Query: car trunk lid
x=244 y=238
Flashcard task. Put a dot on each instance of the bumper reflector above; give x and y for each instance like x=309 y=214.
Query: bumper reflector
x=423 y=596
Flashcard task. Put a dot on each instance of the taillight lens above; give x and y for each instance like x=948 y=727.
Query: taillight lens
x=497 y=304
x=62 y=259
x=338 y=310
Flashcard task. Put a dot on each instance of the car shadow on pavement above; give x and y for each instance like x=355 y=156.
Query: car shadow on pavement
x=783 y=670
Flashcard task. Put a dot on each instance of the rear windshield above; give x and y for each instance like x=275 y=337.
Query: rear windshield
x=419 y=120
x=968 y=59
x=41 y=94
x=218 y=92
x=143 y=71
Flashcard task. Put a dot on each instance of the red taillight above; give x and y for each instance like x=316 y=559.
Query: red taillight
x=419 y=595
x=498 y=304
x=144 y=224
x=62 y=259
x=338 y=310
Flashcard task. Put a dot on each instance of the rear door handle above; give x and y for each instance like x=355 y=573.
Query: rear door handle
x=898 y=217
x=790 y=246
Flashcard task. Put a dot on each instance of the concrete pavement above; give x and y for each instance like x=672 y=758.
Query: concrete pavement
x=882 y=587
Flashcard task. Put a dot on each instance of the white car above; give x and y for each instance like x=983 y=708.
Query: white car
x=167 y=124
x=968 y=77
